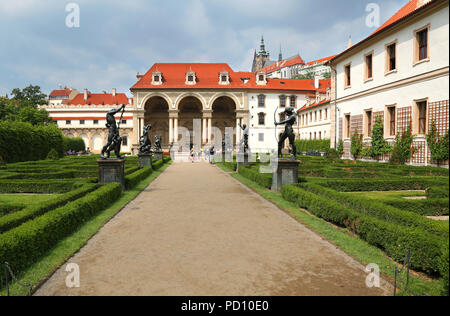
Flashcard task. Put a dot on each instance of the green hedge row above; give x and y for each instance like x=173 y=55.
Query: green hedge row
x=15 y=219
x=23 y=245
x=379 y=210
x=264 y=180
x=24 y=142
x=426 y=248
x=438 y=192
x=433 y=207
x=34 y=186
x=157 y=164
x=133 y=179
x=365 y=185
x=313 y=145
x=9 y=208
x=70 y=174
x=445 y=268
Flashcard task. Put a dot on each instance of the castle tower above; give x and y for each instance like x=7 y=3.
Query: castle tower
x=262 y=58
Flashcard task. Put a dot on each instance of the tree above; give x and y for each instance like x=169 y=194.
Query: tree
x=309 y=75
x=357 y=144
x=32 y=115
x=402 y=147
x=8 y=110
x=439 y=145
x=29 y=96
x=379 y=145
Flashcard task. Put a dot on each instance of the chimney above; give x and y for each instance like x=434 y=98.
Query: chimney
x=114 y=92
x=350 y=42
x=422 y=3
x=85 y=94
x=316 y=82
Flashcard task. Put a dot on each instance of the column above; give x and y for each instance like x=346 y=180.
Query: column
x=238 y=132
x=175 y=136
x=204 y=136
x=209 y=129
x=170 y=130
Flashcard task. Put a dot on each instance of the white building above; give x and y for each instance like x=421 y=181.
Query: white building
x=400 y=73
x=85 y=116
x=62 y=96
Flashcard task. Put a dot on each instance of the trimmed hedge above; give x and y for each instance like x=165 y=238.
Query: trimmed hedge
x=24 y=142
x=426 y=248
x=444 y=265
x=379 y=210
x=34 y=186
x=15 y=219
x=157 y=164
x=70 y=174
x=438 y=192
x=433 y=207
x=9 y=208
x=313 y=145
x=133 y=179
x=264 y=180
x=23 y=245
x=73 y=144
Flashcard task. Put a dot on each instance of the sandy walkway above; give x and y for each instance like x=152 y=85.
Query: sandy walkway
x=197 y=231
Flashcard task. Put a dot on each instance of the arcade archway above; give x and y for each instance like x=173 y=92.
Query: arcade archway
x=157 y=114
x=224 y=114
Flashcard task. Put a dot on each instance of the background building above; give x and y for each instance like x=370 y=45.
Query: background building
x=85 y=116
x=400 y=73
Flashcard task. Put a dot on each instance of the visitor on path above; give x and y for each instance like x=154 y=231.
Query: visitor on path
x=192 y=155
x=212 y=151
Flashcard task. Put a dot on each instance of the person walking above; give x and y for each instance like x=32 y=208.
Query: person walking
x=212 y=151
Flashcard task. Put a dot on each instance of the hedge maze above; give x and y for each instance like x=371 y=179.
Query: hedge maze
x=334 y=190
x=29 y=231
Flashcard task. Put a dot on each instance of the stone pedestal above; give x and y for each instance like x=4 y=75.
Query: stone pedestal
x=158 y=155
x=286 y=172
x=242 y=160
x=145 y=160
x=111 y=171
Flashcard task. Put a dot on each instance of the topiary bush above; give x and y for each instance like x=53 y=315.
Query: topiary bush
x=74 y=144
x=53 y=155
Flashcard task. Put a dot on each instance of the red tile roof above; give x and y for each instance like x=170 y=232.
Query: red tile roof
x=406 y=11
x=100 y=99
x=319 y=61
x=308 y=107
x=174 y=77
x=60 y=93
x=297 y=60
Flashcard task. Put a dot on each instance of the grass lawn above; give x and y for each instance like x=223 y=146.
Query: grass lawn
x=26 y=198
x=392 y=194
x=67 y=247
x=342 y=238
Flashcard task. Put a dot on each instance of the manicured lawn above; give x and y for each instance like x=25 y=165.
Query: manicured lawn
x=26 y=198
x=391 y=194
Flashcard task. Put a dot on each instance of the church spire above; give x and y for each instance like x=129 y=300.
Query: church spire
x=280 y=56
x=262 y=48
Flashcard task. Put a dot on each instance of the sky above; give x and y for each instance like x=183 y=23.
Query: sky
x=116 y=39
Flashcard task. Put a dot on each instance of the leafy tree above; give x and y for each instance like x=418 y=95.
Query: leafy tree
x=379 y=145
x=309 y=75
x=32 y=115
x=8 y=110
x=340 y=148
x=439 y=145
x=29 y=96
x=357 y=144
x=402 y=147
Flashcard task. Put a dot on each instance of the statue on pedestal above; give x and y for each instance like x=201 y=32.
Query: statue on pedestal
x=243 y=146
x=158 y=145
x=114 y=140
x=288 y=132
x=145 y=142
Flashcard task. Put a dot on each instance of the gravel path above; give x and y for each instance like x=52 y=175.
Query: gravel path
x=197 y=231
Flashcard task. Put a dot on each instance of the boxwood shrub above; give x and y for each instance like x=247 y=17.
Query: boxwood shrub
x=428 y=207
x=35 y=186
x=157 y=164
x=23 y=245
x=438 y=192
x=15 y=219
x=264 y=180
x=133 y=179
x=394 y=239
x=10 y=208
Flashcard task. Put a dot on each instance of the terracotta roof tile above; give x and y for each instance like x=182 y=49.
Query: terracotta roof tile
x=100 y=99
x=60 y=93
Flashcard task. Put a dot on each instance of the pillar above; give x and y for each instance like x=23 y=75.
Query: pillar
x=175 y=129
x=170 y=130
x=204 y=136
x=209 y=129
x=238 y=132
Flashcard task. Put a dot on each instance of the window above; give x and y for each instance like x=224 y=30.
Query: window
x=320 y=135
x=125 y=140
x=156 y=79
x=82 y=122
x=368 y=127
x=421 y=117
x=95 y=122
x=68 y=122
x=315 y=116
x=293 y=101
x=391 y=121
x=315 y=135
x=348 y=78
x=261 y=101
x=326 y=114
x=320 y=115
x=262 y=119
x=310 y=136
x=347 y=126
x=190 y=78
x=261 y=77
x=283 y=101
x=224 y=78
x=391 y=53
x=422 y=44
x=124 y=122
x=261 y=137
x=369 y=67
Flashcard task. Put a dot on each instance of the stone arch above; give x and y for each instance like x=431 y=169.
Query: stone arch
x=97 y=142
x=193 y=95
x=153 y=95
x=224 y=113
x=224 y=94
x=157 y=114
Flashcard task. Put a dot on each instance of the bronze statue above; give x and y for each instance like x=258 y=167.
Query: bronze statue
x=243 y=147
x=288 y=132
x=114 y=139
x=158 y=145
x=145 y=142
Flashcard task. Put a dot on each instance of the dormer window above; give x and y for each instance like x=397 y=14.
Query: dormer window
x=157 y=78
x=224 y=78
x=191 y=78
x=261 y=78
